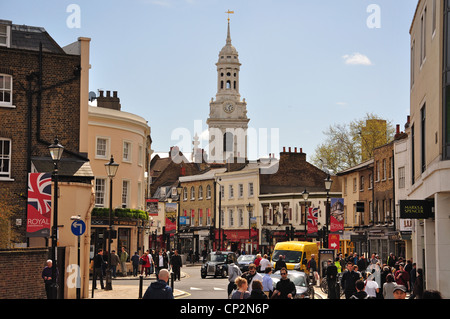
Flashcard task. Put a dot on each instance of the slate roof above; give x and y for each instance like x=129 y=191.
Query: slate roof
x=28 y=38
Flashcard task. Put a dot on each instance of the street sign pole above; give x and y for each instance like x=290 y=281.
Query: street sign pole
x=78 y=228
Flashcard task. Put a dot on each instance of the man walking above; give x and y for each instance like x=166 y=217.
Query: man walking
x=349 y=280
x=176 y=263
x=331 y=273
x=233 y=272
x=98 y=263
x=123 y=261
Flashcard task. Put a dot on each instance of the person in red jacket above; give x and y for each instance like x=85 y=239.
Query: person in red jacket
x=402 y=277
x=257 y=261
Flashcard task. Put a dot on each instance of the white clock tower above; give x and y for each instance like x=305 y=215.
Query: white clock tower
x=228 y=122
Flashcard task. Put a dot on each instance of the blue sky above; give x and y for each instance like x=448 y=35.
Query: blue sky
x=305 y=64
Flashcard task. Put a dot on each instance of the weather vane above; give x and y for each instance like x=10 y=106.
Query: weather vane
x=229 y=12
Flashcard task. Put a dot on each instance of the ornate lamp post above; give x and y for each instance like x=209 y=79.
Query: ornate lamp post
x=56 y=151
x=305 y=195
x=249 y=210
x=328 y=182
x=179 y=190
x=111 y=170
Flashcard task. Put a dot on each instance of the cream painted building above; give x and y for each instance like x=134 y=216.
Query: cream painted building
x=126 y=138
x=429 y=139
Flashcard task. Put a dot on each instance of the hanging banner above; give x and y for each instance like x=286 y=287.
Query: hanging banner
x=337 y=215
x=152 y=207
x=39 y=204
x=313 y=215
x=171 y=217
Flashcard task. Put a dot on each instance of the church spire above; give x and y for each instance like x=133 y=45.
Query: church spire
x=228 y=32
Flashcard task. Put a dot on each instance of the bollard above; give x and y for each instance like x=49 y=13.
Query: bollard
x=141 y=283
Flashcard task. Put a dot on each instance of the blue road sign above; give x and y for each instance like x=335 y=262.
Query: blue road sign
x=78 y=227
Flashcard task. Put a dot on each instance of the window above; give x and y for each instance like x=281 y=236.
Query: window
x=100 y=189
x=345 y=186
x=377 y=171
x=140 y=155
x=222 y=191
x=412 y=62
x=391 y=167
x=125 y=193
x=102 y=148
x=384 y=169
x=401 y=177
x=241 y=190
x=231 y=220
x=241 y=218
x=423 y=37
x=5 y=90
x=208 y=192
x=5 y=159
x=231 y=191
x=200 y=192
x=5 y=35
x=192 y=193
x=355 y=185
x=413 y=157
x=208 y=217
x=200 y=217
x=422 y=138
x=185 y=193
x=250 y=189
x=370 y=181
x=361 y=183
x=433 y=27
x=126 y=151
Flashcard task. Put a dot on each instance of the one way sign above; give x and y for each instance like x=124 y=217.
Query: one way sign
x=333 y=241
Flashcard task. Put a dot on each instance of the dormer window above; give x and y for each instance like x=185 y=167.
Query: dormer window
x=5 y=35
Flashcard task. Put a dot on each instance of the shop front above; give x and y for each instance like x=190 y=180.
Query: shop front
x=240 y=239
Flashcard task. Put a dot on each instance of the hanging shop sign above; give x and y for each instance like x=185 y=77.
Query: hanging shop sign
x=416 y=209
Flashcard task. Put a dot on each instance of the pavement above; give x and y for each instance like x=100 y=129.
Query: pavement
x=131 y=291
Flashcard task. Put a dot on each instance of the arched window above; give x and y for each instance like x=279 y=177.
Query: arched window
x=185 y=193
x=228 y=85
x=228 y=142
x=208 y=191
x=192 y=193
x=200 y=192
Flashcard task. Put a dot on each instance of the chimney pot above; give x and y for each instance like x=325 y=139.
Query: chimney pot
x=295 y=150
x=301 y=150
x=101 y=93
x=108 y=93
x=284 y=149
x=289 y=149
x=398 y=128
x=114 y=93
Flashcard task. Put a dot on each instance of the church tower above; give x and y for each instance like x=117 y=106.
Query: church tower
x=228 y=122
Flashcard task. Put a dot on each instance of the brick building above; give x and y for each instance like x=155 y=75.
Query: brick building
x=44 y=94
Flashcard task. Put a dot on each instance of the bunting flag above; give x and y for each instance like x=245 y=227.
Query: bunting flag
x=39 y=204
x=313 y=214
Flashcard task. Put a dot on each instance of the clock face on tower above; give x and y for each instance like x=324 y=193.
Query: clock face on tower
x=228 y=107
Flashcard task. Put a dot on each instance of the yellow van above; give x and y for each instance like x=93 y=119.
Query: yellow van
x=294 y=253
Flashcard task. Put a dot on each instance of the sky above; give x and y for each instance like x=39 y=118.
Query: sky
x=306 y=65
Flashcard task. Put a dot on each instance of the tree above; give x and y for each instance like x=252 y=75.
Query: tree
x=347 y=145
x=8 y=209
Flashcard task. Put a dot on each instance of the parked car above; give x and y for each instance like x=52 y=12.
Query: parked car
x=217 y=264
x=244 y=260
x=304 y=290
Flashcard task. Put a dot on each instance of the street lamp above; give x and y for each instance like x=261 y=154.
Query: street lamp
x=328 y=182
x=111 y=170
x=305 y=195
x=249 y=210
x=179 y=190
x=56 y=151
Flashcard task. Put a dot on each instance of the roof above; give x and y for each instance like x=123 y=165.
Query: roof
x=68 y=167
x=357 y=167
x=28 y=38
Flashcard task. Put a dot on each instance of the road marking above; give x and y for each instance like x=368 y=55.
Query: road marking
x=218 y=288
x=194 y=288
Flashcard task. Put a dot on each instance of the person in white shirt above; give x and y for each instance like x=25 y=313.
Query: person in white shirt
x=371 y=287
x=264 y=263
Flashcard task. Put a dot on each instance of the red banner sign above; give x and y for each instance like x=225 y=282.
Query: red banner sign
x=313 y=215
x=337 y=215
x=39 y=204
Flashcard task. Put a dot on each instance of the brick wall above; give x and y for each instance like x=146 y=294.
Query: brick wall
x=60 y=113
x=20 y=273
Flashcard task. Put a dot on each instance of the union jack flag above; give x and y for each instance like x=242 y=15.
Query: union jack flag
x=39 y=204
x=40 y=192
x=313 y=214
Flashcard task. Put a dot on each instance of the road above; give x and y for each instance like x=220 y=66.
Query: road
x=194 y=287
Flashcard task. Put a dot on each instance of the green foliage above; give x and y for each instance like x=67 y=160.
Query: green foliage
x=126 y=213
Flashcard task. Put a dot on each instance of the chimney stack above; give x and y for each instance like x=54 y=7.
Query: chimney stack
x=108 y=101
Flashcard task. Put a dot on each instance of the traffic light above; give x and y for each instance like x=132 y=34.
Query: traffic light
x=224 y=236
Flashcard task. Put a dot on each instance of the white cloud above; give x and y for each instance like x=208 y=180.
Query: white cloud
x=356 y=59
